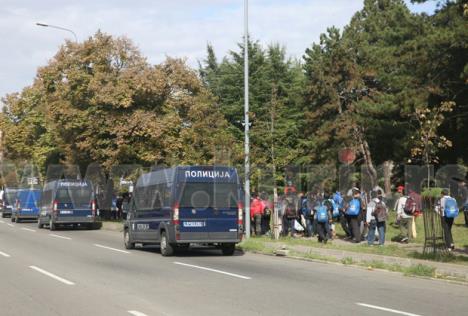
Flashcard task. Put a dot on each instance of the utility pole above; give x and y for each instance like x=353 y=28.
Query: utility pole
x=246 y=120
x=276 y=230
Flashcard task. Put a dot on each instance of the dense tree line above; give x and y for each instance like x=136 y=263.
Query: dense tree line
x=392 y=85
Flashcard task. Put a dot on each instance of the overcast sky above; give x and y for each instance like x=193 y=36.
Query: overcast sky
x=179 y=28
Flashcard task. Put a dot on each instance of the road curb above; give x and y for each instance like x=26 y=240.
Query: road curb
x=113 y=226
x=445 y=271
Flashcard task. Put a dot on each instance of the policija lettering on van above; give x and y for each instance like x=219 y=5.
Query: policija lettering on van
x=215 y=174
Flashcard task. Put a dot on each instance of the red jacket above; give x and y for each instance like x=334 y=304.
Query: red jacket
x=256 y=207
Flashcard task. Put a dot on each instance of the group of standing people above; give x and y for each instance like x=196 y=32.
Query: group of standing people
x=319 y=212
x=362 y=216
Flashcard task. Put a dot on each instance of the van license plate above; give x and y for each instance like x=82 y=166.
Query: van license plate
x=66 y=212
x=194 y=224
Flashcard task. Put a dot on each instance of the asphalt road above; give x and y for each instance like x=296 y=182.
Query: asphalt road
x=79 y=272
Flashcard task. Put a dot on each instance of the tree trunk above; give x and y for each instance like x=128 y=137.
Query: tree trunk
x=365 y=151
x=388 y=171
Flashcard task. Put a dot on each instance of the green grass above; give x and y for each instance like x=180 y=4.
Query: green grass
x=459 y=231
x=420 y=270
x=256 y=245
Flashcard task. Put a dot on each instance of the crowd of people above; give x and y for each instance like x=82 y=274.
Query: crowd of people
x=363 y=216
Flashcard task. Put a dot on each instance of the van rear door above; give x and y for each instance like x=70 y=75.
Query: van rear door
x=29 y=202
x=74 y=202
x=208 y=211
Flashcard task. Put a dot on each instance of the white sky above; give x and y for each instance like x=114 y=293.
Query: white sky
x=160 y=28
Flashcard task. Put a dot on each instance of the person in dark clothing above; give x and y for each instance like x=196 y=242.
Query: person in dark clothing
x=338 y=198
x=323 y=223
x=355 y=218
x=447 y=221
x=290 y=214
x=463 y=197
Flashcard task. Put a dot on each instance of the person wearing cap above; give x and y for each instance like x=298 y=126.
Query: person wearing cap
x=405 y=220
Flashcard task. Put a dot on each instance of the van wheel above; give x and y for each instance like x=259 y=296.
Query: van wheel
x=166 y=249
x=51 y=225
x=228 y=249
x=12 y=218
x=128 y=240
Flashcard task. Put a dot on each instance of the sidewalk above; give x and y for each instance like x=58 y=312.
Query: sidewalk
x=441 y=269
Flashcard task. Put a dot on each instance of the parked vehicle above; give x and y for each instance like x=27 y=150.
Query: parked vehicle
x=68 y=202
x=27 y=205
x=9 y=198
x=185 y=205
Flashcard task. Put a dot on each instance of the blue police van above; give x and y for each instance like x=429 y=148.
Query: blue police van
x=184 y=205
x=68 y=202
x=27 y=205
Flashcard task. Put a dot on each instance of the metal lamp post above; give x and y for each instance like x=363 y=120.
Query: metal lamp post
x=58 y=28
x=246 y=121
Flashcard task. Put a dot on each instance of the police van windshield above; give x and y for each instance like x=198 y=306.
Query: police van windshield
x=77 y=196
x=204 y=195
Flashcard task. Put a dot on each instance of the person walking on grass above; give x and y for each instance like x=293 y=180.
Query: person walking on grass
x=377 y=214
x=405 y=208
x=448 y=209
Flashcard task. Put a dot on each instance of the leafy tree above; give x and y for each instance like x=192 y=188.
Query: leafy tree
x=101 y=101
x=275 y=84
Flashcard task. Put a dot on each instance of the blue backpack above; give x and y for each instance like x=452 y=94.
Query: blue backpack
x=336 y=210
x=451 y=208
x=322 y=214
x=338 y=199
x=354 y=207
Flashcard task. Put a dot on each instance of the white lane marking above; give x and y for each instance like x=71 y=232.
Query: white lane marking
x=136 y=313
x=2 y=222
x=214 y=270
x=11 y=225
x=28 y=229
x=58 y=236
x=53 y=276
x=4 y=254
x=387 y=309
x=110 y=248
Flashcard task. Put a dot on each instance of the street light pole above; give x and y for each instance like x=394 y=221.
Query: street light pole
x=246 y=120
x=58 y=28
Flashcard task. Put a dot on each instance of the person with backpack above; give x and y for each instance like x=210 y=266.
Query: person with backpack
x=339 y=201
x=405 y=208
x=354 y=210
x=335 y=212
x=376 y=217
x=290 y=214
x=448 y=210
x=323 y=216
x=307 y=212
